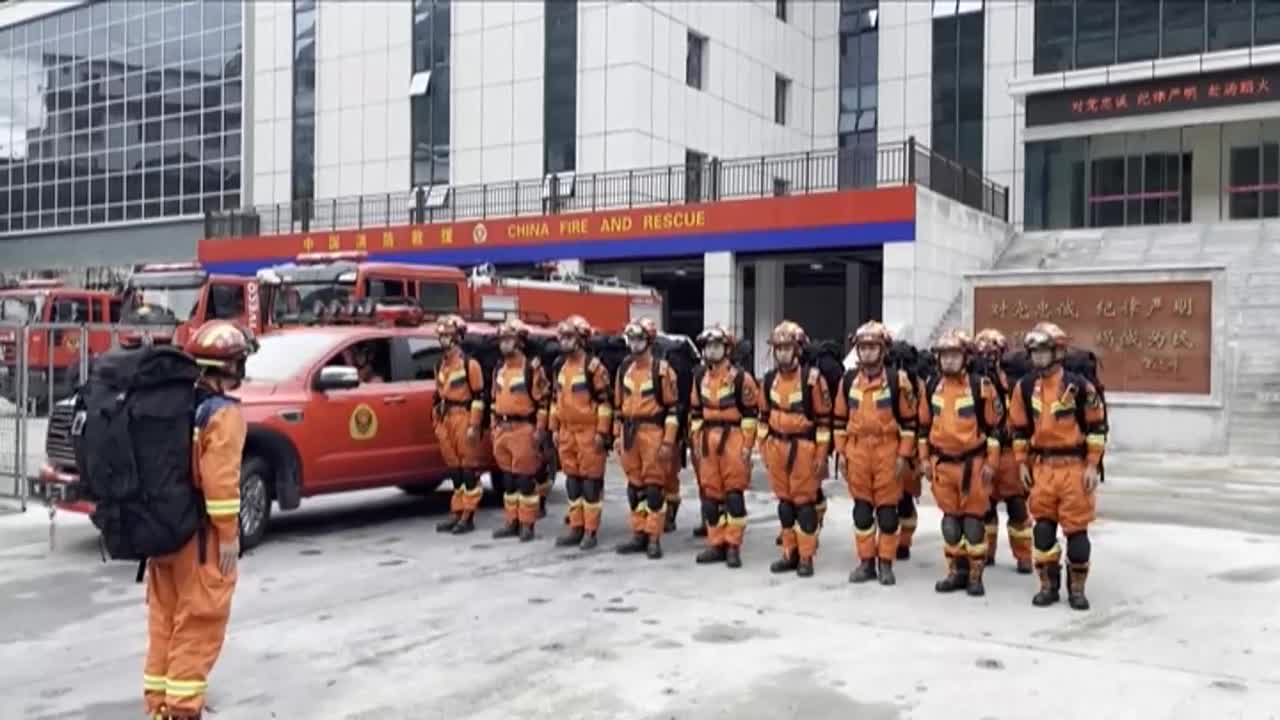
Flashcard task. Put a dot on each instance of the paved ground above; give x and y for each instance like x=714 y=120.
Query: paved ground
x=355 y=609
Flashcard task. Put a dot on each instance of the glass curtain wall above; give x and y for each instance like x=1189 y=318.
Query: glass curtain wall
x=859 y=73
x=560 y=85
x=429 y=92
x=958 y=30
x=304 y=99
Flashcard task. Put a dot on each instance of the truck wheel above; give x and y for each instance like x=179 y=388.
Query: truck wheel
x=255 y=501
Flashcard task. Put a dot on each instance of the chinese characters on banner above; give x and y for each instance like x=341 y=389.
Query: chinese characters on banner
x=1150 y=337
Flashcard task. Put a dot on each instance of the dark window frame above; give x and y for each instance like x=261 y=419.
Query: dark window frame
x=780 y=9
x=303 y=159
x=560 y=69
x=429 y=122
x=781 y=99
x=695 y=61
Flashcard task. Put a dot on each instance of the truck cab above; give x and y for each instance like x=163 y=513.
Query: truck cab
x=184 y=296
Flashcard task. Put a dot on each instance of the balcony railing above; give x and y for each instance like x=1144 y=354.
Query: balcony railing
x=712 y=180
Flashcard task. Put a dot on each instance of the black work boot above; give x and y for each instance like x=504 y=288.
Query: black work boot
x=1024 y=567
x=865 y=572
x=572 y=536
x=975 y=586
x=804 y=568
x=507 y=531
x=957 y=576
x=462 y=527
x=1076 y=575
x=778 y=540
x=542 y=507
x=654 y=549
x=733 y=557
x=447 y=525
x=712 y=555
x=637 y=544
x=886 y=573
x=526 y=533
x=700 y=531
x=904 y=553
x=588 y=541
x=1050 y=582
x=787 y=563
x=673 y=508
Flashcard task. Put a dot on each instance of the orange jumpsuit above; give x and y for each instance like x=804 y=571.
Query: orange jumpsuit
x=794 y=450
x=957 y=450
x=721 y=431
x=1009 y=490
x=868 y=435
x=189 y=601
x=519 y=412
x=911 y=491
x=644 y=423
x=581 y=412
x=459 y=408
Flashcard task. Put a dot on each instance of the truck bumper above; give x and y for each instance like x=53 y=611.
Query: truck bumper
x=60 y=489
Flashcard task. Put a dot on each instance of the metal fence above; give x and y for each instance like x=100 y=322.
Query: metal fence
x=13 y=424
x=704 y=181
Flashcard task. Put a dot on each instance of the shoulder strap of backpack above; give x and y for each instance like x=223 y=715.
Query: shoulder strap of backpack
x=1070 y=379
x=210 y=407
x=556 y=367
x=739 y=378
x=1027 y=387
x=807 y=384
x=979 y=403
x=655 y=369
x=769 y=376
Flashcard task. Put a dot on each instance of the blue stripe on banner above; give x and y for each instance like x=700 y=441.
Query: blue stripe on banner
x=840 y=236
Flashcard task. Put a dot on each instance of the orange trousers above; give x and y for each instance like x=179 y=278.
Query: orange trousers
x=870 y=461
x=1057 y=494
x=948 y=488
x=576 y=446
x=1007 y=486
x=797 y=485
x=719 y=474
x=644 y=468
x=517 y=454
x=461 y=454
x=188 y=606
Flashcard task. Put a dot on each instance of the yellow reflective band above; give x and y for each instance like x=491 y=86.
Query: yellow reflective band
x=1035 y=404
x=221 y=508
x=477 y=405
x=1020 y=444
x=908 y=434
x=1023 y=534
x=748 y=425
x=1051 y=555
x=604 y=411
x=993 y=443
x=762 y=432
x=963 y=402
x=695 y=425
x=577 y=503
x=800 y=531
x=673 y=421
x=529 y=499
x=864 y=533
x=592 y=505
x=823 y=436
x=979 y=550
x=956 y=549
x=908 y=523
x=153 y=682
x=510 y=499
x=185 y=688
x=841 y=434
x=455 y=375
x=735 y=521
x=1096 y=440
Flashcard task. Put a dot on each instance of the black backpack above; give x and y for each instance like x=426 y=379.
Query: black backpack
x=1078 y=367
x=135 y=418
x=975 y=390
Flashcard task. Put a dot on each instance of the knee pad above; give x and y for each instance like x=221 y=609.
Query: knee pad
x=528 y=484
x=735 y=504
x=887 y=518
x=975 y=531
x=863 y=516
x=655 y=496
x=1045 y=534
x=710 y=511
x=1078 y=547
x=635 y=496
x=786 y=514
x=906 y=506
x=807 y=518
x=573 y=486
x=1017 y=507
x=952 y=530
x=990 y=517
x=592 y=489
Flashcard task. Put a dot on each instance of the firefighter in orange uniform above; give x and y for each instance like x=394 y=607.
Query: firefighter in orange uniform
x=723 y=405
x=1060 y=433
x=1007 y=487
x=912 y=488
x=876 y=448
x=189 y=601
x=796 y=433
x=645 y=430
x=581 y=420
x=520 y=394
x=960 y=454
x=459 y=412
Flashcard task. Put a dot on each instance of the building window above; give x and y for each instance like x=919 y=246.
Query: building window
x=115 y=111
x=560 y=85
x=1139 y=25
x=429 y=92
x=1231 y=23
x=780 y=9
x=695 y=166
x=1254 y=188
x=958 y=84
x=781 y=99
x=1184 y=28
x=695 y=62
x=304 y=99
x=859 y=73
x=1096 y=32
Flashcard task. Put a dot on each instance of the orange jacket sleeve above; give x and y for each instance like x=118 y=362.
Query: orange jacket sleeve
x=762 y=420
x=617 y=406
x=924 y=416
x=822 y=411
x=1095 y=417
x=840 y=415
x=541 y=394
x=907 y=409
x=695 y=410
x=1019 y=422
x=221 y=444
x=671 y=427
x=993 y=411
x=750 y=401
x=475 y=381
x=600 y=389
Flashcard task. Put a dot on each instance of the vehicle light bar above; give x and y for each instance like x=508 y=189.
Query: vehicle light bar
x=40 y=283
x=170 y=267
x=328 y=257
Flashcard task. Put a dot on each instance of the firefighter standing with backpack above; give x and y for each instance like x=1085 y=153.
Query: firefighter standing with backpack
x=875 y=432
x=581 y=420
x=1007 y=487
x=723 y=406
x=645 y=430
x=520 y=395
x=1059 y=425
x=960 y=454
x=796 y=432
x=189 y=592
x=459 y=414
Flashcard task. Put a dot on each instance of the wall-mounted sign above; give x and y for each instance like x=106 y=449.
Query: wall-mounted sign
x=1148 y=97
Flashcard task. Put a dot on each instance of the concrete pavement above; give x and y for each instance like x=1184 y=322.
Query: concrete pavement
x=356 y=608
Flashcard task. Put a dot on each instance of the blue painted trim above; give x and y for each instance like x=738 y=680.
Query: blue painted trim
x=839 y=236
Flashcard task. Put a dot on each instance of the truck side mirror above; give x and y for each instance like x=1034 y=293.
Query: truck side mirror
x=338 y=377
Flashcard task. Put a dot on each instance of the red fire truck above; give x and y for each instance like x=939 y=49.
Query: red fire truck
x=183 y=296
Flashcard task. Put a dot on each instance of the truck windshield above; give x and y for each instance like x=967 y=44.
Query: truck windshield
x=286 y=355
x=305 y=301
x=20 y=310
x=157 y=305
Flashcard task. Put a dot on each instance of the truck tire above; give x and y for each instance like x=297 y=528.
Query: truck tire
x=255 y=501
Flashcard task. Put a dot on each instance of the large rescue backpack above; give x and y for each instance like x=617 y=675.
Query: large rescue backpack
x=1078 y=367
x=612 y=351
x=824 y=357
x=135 y=418
x=901 y=357
x=975 y=391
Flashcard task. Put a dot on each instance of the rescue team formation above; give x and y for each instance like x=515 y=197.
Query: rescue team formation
x=981 y=424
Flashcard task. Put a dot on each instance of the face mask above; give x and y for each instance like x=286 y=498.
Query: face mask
x=951 y=363
x=568 y=343
x=637 y=345
x=1042 y=359
x=714 y=352
x=784 y=356
x=507 y=347
x=869 y=355
x=446 y=341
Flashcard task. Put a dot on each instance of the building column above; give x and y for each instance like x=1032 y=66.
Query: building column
x=769 y=309
x=855 y=290
x=721 y=290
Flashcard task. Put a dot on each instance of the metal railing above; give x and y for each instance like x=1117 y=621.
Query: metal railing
x=715 y=179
